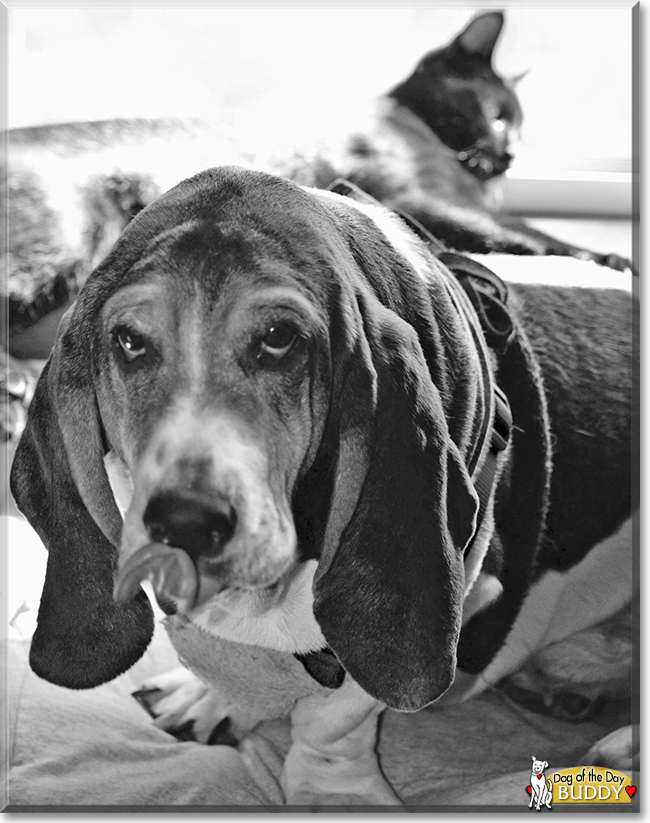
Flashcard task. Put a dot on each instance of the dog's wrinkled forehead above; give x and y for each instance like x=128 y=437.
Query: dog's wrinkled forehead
x=242 y=221
x=217 y=297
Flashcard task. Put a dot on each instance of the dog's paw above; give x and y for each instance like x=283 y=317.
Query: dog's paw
x=619 y=750
x=187 y=708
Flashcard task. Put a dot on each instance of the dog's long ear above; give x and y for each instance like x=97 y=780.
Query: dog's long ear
x=389 y=586
x=58 y=480
x=480 y=35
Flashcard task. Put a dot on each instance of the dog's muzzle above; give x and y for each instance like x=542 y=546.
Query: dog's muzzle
x=205 y=517
x=187 y=559
x=185 y=532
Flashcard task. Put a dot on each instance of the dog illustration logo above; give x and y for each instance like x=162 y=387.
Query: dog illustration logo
x=541 y=790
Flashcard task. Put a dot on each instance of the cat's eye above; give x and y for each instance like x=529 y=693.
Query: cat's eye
x=132 y=344
x=278 y=340
x=499 y=125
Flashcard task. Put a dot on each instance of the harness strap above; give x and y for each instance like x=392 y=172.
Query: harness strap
x=488 y=295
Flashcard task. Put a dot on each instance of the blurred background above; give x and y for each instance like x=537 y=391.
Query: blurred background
x=86 y=63
x=99 y=62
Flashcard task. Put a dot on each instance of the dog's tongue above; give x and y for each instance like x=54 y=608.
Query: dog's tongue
x=171 y=571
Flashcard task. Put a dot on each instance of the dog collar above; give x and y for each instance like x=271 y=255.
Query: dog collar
x=480 y=296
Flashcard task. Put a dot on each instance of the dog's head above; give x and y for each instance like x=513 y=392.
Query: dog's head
x=538 y=765
x=248 y=352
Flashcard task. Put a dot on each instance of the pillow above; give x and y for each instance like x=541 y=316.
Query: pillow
x=99 y=748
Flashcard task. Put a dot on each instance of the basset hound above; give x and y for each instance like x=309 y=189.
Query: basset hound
x=329 y=453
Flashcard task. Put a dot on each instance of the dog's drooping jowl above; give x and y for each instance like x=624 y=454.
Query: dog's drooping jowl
x=349 y=467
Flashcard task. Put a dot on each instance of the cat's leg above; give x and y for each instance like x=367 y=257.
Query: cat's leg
x=553 y=245
x=466 y=228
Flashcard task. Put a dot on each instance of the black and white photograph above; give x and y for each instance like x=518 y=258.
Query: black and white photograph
x=320 y=408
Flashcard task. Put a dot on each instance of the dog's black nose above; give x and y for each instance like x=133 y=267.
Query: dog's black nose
x=198 y=527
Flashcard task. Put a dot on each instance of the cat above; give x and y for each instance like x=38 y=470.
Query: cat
x=433 y=146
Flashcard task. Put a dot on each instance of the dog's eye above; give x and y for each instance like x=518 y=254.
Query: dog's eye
x=133 y=345
x=278 y=341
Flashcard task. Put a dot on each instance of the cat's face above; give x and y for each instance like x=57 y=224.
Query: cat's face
x=457 y=93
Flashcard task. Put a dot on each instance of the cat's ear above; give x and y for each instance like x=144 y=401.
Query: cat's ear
x=480 y=35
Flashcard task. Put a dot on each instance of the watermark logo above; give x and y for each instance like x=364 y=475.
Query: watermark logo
x=594 y=785
x=540 y=788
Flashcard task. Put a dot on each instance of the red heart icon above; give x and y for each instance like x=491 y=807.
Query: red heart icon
x=630 y=790
x=529 y=790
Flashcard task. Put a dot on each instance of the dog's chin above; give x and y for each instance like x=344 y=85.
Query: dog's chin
x=225 y=590
x=278 y=616
x=259 y=574
x=217 y=596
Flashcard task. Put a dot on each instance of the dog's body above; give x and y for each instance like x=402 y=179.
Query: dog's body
x=541 y=789
x=299 y=403
x=435 y=146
